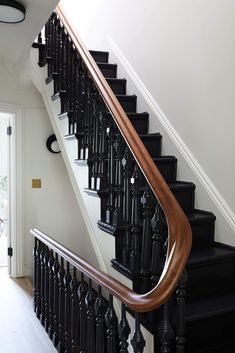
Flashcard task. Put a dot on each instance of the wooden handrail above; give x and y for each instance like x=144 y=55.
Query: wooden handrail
x=179 y=230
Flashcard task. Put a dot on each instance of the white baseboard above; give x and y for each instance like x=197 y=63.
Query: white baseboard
x=188 y=156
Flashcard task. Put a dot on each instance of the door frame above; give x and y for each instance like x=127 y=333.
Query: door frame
x=15 y=211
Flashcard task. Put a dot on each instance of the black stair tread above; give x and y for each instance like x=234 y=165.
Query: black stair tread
x=217 y=253
x=136 y=115
x=209 y=307
x=164 y=159
x=181 y=185
x=116 y=80
x=151 y=135
x=126 y=96
x=197 y=216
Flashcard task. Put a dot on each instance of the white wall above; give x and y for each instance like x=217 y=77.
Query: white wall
x=53 y=208
x=183 y=54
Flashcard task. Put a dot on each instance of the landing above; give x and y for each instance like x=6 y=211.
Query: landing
x=20 y=331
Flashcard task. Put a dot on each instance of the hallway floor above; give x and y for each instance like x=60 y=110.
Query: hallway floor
x=20 y=331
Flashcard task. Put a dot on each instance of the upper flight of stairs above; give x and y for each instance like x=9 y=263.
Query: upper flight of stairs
x=210 y=285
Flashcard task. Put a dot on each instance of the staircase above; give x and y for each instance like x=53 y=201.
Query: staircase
x=200 y=316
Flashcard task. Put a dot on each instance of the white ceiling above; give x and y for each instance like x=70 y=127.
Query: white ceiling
x=15 y=39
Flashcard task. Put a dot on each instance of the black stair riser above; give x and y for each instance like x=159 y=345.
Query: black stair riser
x=108 y=70
x=207 y=330
x=140 y=121
x=117 y=86
x=128 y=103
x=100 y=56
x=203 y=234
x=167 y=169
x=185 y=197
x=153 y=144
x=210 y=279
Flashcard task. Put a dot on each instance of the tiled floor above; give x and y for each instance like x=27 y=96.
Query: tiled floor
x=20 y=331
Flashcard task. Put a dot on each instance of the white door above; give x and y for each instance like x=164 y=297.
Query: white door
x=5 y=153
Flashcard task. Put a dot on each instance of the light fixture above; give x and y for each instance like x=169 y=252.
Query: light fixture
x=11 y=11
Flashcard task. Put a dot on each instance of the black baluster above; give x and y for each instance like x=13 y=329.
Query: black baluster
x=100 y=309
x=42 y=286
x=55 y=72
x=49 y=46
x=82 y=315
x=147 y=201
x=118 y=212
x=67 y=311
x=180 y=313
x=61 y=275
x=157 y=253
x=95 y=147
x=71 y=91
x=135 y=256
x=46 y=296
x=35 y=283
x=82 y=110
x=42 y=51
x=103 y=150
x=56 y=281
x=60 y=57
x=90 y=300
x=111 y=322
x=63 y=76
x=51 y=294
x=138 y=341
x=165 y=330
x=75 y=93
x=65 y=107
x=127 y=165
x=54 y=39
x=124 y=331
x=111 y=175
x=74 y=312
x=38 y=280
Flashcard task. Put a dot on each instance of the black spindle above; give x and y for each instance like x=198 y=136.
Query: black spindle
x=100 y=309
x=138 y=341
x=90 y=301
x=180 y=313
x=127 y=165
x=118 y=212
x=74 y=312
x=61 y=275
x=157 y=253
x=147 y=201
x=67 y=311
x=82 y=315
x=111 y=322
x=135 y=256
x=56 y=306
x=124 y=331
x=165 y=330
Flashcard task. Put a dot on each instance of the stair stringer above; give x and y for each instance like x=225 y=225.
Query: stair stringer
x=103 y=244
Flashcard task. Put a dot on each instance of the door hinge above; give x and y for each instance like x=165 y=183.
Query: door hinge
x=9 y=130
x=10 y=251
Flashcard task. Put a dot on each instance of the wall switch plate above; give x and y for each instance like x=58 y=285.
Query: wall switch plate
x=36 y=183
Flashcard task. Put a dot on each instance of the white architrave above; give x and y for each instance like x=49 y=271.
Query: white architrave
x=16 y=215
